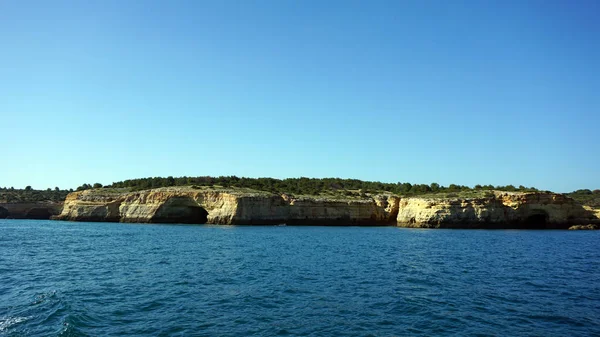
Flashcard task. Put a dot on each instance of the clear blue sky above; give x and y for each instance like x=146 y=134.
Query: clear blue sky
x=465 y=92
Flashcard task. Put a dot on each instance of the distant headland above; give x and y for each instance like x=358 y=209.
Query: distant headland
x=307 y=201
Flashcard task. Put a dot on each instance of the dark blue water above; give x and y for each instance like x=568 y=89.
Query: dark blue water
x=76 y=279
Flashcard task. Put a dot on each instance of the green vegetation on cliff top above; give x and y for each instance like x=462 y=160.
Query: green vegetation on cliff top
x=331 y=188
x=342 y=188
x=313 y=186
x=586 y=197
x=12 y=195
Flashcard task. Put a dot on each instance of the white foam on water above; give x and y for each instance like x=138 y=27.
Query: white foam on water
x=6 y=323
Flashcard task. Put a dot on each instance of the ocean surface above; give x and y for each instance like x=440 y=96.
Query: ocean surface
x=100 y=279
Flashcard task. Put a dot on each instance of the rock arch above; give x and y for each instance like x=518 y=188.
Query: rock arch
x=536 y=219
x=38 y=213
x=180 y=210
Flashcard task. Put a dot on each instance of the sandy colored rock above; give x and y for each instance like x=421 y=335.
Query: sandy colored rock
x=584 y=227
x=188 y=205
x=247 y=207
x=594 y=211
x=496 y=210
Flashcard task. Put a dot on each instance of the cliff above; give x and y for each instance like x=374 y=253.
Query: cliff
x=30 y=210
x=537 y=210
x=484 y=209
x=225 y=206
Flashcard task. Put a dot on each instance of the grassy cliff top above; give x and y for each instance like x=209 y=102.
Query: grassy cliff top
x=313 y=188
x=344 y=195
x=472 y=194
x=586 y=197
x=338 y=195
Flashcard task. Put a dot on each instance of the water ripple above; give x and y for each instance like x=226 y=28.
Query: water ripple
x=88 y=279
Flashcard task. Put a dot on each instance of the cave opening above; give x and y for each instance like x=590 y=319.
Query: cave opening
x=38 y=214
x=180 y=210
x=537 y=220
x=3 y=213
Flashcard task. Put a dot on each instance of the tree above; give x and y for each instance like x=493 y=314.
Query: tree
x=84 y=187
x=57 y=189
x=28 y=188
x=97 y=185
x=453 y=188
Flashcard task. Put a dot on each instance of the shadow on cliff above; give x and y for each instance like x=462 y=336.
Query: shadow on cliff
x=31 y=211
x=38 y=214
x=180 y=210
x=540 y=219
x=536 y=219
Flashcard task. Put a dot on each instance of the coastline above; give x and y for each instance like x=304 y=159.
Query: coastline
x=242 y=206
x=210 y=205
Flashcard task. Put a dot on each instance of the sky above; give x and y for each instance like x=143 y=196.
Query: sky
x=463 y=92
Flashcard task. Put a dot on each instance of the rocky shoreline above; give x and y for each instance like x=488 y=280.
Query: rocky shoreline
x=30 y=210
x=226 y=207
x=200 y=205
x=495 y=209
x=509 y=210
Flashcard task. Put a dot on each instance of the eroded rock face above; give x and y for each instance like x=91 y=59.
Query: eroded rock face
x=30 y=210
x=86 y=206
x=38 y=213
x=584 y=227
x=594 y=211
x=185 y=205
x=500 y=210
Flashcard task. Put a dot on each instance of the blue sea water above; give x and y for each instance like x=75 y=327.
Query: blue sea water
x=95 y=279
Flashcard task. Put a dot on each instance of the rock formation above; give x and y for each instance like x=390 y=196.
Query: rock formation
x=187 y=205
x=534 y=210
x=584 y=227
x=248 y=207
x=30 y=210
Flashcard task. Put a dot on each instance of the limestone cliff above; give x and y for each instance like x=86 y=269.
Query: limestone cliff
x=30 y=210
x=188 y=205
x=593 y=210
x=246 y=207
x=494 y=210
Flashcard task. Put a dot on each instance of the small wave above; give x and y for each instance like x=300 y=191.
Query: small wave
x=306 y=281
x=44 y=297
x=70 y=327
x=7 y=322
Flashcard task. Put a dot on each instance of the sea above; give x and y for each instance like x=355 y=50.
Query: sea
x=111 y=279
